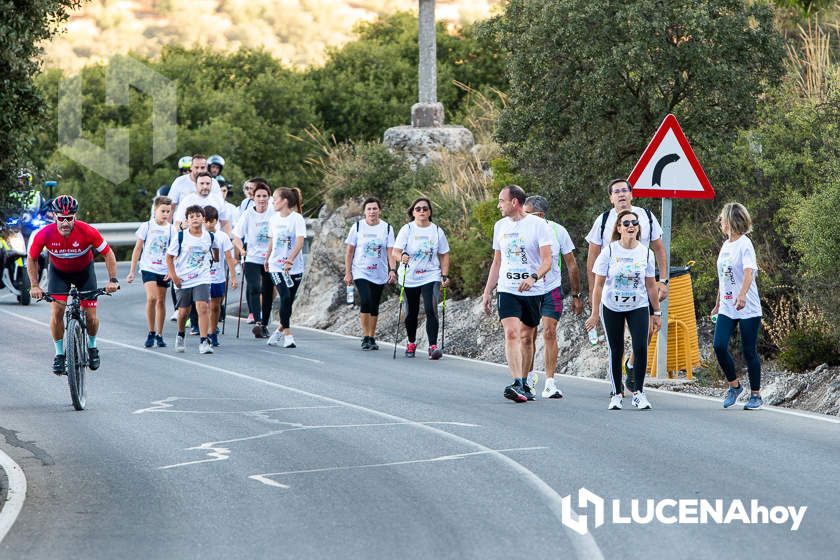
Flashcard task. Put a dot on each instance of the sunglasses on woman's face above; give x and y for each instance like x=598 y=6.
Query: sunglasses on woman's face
x=628 y=223
x=421 y=208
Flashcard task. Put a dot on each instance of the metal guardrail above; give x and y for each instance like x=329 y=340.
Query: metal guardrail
x=122 y=234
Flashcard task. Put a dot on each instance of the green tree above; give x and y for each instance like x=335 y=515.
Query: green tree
x=591 y=81
x=23 y=26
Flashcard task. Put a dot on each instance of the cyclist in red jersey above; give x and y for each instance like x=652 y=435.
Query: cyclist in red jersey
x=70 y=244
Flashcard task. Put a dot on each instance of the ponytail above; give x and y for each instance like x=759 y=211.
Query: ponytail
x=293 y=197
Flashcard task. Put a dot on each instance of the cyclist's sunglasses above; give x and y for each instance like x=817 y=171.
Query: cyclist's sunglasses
x=627 y=223
x=69 y=218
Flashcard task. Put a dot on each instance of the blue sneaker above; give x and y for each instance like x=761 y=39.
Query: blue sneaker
x=754 y=403
x=732 y=395
x=214 y=340
x=150 y=340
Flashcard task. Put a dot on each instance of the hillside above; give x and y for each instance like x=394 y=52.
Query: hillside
x=298 y=32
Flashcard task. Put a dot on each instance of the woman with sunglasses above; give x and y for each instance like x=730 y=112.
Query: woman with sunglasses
x=738 y=302
x=423 y=252
x=624 y=285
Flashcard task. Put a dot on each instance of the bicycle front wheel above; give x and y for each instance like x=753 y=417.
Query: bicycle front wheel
x=74 y=347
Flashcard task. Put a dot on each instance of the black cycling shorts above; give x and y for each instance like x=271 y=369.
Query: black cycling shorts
x=59 y=282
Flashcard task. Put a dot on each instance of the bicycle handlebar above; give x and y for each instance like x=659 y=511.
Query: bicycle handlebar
x=88 y=295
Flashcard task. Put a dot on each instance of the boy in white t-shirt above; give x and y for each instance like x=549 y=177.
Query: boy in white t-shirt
x=218 y=272
x=188 y=258
x=153 y=238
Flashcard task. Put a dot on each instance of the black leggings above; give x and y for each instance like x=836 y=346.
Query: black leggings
x=287 y=296
x=259 y=283
x=724 y=329
x=431 y=295
x=369 y=296
x=637 y=321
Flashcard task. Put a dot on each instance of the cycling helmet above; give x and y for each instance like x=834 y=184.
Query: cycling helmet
x=64 y=204
x=216 y=159
x=185 y=163
x=25 y=176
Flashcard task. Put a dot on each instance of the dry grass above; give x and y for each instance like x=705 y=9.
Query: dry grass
x=789 y=312
x=816 y=74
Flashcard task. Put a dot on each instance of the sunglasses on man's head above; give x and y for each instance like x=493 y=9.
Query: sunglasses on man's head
x=627 y=223
x=65 y=218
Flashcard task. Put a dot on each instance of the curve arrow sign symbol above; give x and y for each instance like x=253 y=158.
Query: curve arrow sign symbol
x=660 y=165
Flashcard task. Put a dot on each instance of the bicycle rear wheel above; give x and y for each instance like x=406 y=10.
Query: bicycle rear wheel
x=74 y=347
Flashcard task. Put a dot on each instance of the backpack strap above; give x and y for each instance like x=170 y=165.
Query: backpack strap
x=604 y=217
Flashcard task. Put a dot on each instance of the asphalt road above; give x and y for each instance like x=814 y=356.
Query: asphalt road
x=325 y=451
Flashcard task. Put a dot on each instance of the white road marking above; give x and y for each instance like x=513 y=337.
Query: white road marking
x=218 y=453
x=164 y=406
x=284 y=355
x=15 y=494
x=266 y=478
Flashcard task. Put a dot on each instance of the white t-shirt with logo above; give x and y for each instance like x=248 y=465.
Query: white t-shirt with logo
x=252 y=229
x=561 y=244
x=625 y=271
x=156 y=239
x=196 y=199
x=232 y=212
x=184 y=185
x=284 y=232
x=734 y=258
x=519 y=243
x=372 y=245
x=193 y=264
x=218 y=270
x=423 y=245
x=594 y=235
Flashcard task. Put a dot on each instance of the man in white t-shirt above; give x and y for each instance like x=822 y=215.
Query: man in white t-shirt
x=203 y=197
x=185 y=184
x=521 y=260
x=552 y=303
x=621 y=197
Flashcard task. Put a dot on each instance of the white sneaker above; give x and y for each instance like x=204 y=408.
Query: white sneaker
x=205 y=348
x=174 y=316
x=551 y=391
x=640 y=400
x=289 y=341
x=274 y=339
x=533 y=380
x=179 y=343
x=615 y=402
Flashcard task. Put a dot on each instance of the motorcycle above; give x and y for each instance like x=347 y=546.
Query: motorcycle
x=13 y=242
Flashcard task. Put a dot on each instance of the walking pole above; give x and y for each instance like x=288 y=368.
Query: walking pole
x=443 y=322
x=224 y=305
x=399 y=310
x=241 y=289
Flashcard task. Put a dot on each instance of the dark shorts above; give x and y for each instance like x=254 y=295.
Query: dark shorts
x=217 y=290
x=157 y=278
x=524 y=308
x=60 y=282
x=185 y=297
x=552 y=304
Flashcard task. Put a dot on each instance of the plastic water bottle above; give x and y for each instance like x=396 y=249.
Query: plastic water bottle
x=593 y=336
x=350 y=294
x=287 y=278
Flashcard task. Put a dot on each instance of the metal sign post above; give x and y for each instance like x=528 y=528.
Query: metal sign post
x=662 y=340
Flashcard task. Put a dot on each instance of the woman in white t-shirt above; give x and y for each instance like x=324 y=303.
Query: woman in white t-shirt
x=153 y=239
x=369 y=265
x=284 y=259
x=624 y=285
x=423 y=252
x=252 y=229
x=738 y=302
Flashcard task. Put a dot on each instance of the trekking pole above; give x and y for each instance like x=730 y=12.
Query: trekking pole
x=224 y=305
x=443 y=322
x=399 y=310
x=241 y=290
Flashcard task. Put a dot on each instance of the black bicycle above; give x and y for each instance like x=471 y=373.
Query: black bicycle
x=75 y=341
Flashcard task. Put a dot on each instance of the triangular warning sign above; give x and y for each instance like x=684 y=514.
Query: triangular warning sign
x=668 y=167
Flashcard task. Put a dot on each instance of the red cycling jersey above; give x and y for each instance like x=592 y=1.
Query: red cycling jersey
x=72 y=253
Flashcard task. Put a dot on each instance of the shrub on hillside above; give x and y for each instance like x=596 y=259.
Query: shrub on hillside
x=805 y=348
